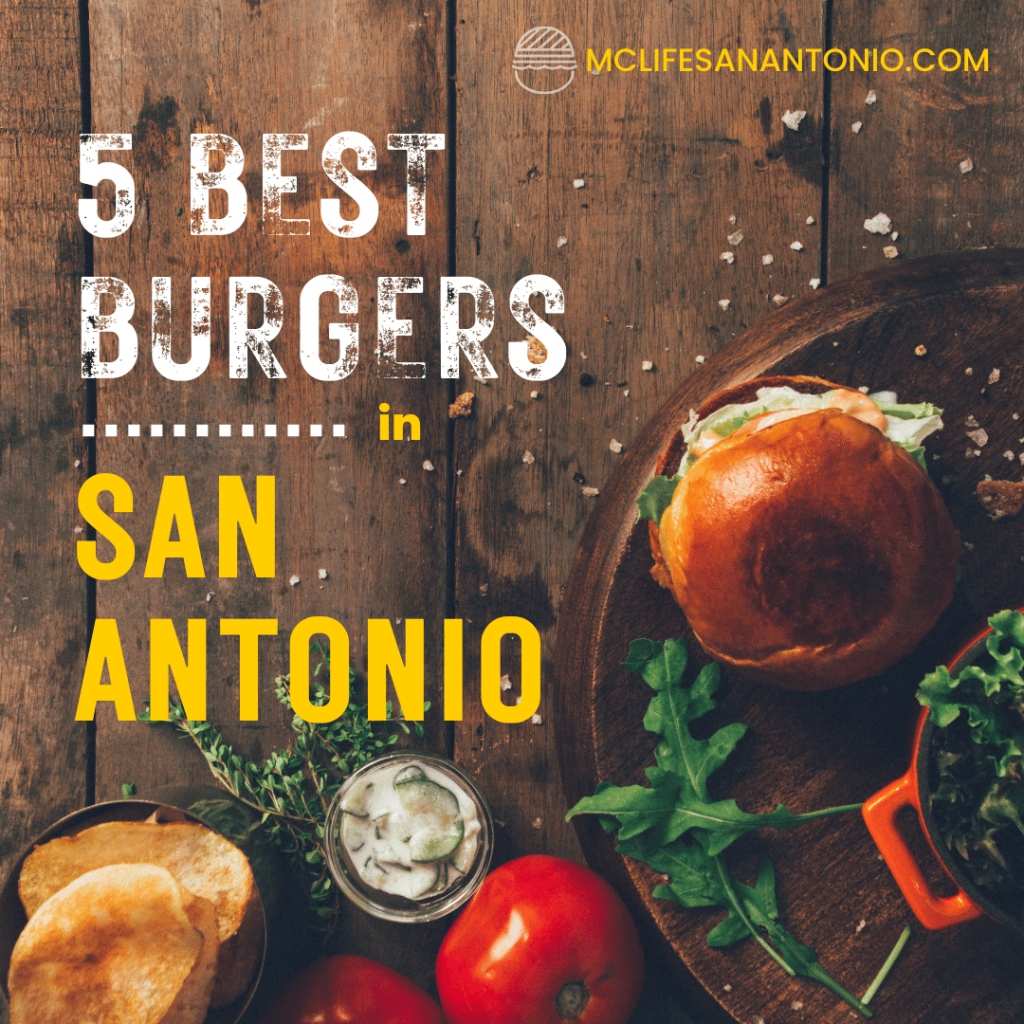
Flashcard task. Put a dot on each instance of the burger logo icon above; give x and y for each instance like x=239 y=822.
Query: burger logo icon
x=543 y=58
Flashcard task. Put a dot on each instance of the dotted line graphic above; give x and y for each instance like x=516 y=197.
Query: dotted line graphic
x=203 y=430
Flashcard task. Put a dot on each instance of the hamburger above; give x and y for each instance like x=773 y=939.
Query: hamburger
x=794 y=523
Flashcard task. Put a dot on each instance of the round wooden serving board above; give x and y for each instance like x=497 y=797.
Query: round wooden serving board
x=810 y=751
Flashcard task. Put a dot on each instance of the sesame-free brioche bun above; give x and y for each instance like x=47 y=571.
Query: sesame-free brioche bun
x=809 y=554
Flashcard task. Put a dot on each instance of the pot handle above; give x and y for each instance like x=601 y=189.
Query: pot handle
x=880 y=816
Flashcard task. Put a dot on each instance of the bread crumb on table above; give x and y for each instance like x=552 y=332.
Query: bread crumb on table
x=1001 y=498
x=536 y=350
x=462 y=406
x=891 y=252
x=792 y=118
x=880 y=224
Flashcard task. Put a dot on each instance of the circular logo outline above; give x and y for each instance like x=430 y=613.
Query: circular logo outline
x=546 y=58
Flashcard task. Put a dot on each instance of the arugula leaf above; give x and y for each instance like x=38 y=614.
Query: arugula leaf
x=727 y=822
x=674 y=827
x=660 y=665
x=656 y=497
x=636 y=807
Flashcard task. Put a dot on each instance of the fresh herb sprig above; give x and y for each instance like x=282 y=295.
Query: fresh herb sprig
x=675 y=828
x=293 y=788
x=977 y=756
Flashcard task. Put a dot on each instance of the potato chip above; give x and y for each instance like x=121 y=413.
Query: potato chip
x=239 y=955
x=115 y=945
x=206 y=863
x=193 y=999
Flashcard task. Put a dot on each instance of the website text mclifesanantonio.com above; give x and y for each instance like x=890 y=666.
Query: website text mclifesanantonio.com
x=673 y=59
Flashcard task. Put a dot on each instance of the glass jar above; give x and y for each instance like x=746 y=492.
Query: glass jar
x=354 y=848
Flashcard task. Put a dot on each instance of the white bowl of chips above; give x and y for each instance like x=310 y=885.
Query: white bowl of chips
x=130 y=912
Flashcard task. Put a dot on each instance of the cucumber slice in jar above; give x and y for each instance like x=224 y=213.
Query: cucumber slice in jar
x=354 y=831
x=428 y=876
x=410 y=773
x=436 y=825
x=465 y=854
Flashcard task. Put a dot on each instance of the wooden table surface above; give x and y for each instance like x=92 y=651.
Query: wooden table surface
x=671 y=164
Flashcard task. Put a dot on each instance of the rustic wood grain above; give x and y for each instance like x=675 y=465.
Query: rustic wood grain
x=905 y=161
x=244 y=70
x=817 y=750
x=43 y=459
x=666 y=161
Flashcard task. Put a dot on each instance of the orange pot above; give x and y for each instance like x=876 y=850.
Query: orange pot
x=910 y=790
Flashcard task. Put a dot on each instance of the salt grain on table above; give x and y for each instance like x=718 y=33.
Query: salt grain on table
x=562 y=241
x=590 y=492
x=891 y=252
x=780 y=300
x=966 y=166
x=428 y=465
x=810 y=220
x=536 y=719
x=698 y=359
x=856 y=127
x=528 y=458
x=647 y=365
x=815 y=283
x=792 y=118
x=294 y=581
x=871 y=98
x=880 y=224
x=614 y=446
x=723 y=304
x=798 y=246
x=767 y=260
x=969 y=371
x=578 y=183
x=979 y=436
x=993 y=377
x=735 y=238
x=729 y=257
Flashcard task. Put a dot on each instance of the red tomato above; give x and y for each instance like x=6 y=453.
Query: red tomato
x=542 y=941
x=352 y=990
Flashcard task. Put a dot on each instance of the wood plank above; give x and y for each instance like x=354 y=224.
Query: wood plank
x=905 y=161
x=666 y=160
x=246 y=70
x=43 y=459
